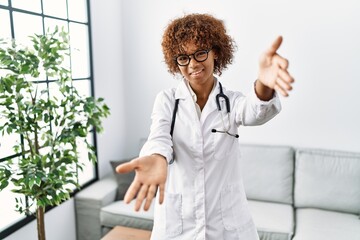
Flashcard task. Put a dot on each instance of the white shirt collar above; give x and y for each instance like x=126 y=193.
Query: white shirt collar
x=194 y=97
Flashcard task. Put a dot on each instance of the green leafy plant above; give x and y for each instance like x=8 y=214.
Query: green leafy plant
x=51 y=127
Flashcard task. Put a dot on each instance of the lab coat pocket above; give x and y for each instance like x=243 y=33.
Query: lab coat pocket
x=234 y=208
x=174 y=222
x=223 y=144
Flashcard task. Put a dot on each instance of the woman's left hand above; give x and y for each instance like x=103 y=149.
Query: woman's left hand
x=273 y=70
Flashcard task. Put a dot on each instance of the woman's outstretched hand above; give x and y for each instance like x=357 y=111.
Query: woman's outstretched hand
x=273 y=70
x=150 y=174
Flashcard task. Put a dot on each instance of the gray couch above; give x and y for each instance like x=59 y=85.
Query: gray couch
x=299 y=194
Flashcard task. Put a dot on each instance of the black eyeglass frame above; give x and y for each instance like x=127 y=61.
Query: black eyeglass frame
x=193 y=56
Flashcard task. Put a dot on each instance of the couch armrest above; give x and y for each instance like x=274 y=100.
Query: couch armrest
x=88 y=203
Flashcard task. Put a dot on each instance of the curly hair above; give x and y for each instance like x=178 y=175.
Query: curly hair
x=204 y=31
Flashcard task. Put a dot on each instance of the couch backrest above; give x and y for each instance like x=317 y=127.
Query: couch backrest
x=268 y=172
x=328 y=180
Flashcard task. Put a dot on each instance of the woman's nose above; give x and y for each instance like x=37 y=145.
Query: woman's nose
x=193 y=62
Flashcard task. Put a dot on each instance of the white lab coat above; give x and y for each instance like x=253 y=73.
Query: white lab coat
x=204 y=193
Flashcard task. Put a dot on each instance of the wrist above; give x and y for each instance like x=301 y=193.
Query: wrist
x=159 y=156
x=262 y=91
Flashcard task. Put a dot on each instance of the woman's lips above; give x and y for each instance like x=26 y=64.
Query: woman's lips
x=196 y=72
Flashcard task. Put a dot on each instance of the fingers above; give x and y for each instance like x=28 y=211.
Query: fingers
x=281 y=91
x=150 y=193
x=286 y=78
x=140 y=197
x=147 y=194
x=162 y=193
x=150 y=174
x=142 y=192
x=283 y=63
x=132 y=191
x=275 y=46
x=149 y=197
x=273 y=69
x=127 y=167
x=283 y=82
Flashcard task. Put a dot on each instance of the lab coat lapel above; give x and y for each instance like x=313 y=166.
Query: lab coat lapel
x=182 y=93
x=210 y=105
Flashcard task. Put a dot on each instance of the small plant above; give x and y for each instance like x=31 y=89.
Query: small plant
x=51 y=127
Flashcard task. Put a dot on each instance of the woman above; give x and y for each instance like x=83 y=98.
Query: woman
x=191 y=157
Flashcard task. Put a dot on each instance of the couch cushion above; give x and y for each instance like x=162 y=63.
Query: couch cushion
x=315 y=224
x=120 y=213
x=268 y=172
x=327 y=180
x=123 y=180
x=274 y=221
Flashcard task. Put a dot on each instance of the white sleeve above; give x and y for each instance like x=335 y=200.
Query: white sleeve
x=251 y=111
x=159 y=140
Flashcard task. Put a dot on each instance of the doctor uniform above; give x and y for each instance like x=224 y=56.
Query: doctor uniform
x=204 y=193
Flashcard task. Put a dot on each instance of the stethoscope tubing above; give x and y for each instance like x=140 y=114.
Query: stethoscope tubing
x=227 y=104
x=218 y=104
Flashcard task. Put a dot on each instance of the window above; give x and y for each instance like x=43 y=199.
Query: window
x=19 y=19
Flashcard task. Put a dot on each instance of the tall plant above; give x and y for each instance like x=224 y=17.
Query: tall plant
x=51 y=126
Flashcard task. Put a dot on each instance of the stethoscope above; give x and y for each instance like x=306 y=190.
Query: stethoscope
x=217 y=98
x=227 y=103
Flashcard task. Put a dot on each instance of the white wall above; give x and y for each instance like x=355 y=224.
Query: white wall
x=108 y=76
x=321 y=40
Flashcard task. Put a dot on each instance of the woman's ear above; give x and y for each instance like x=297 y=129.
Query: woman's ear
x=215 y=54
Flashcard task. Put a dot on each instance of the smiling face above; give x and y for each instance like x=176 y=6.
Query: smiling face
x=204 y=31
x=199 y=74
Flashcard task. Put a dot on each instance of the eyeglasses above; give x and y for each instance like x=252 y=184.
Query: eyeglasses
x=199 y=56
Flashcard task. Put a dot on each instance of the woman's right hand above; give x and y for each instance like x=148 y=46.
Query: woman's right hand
x=150 y=174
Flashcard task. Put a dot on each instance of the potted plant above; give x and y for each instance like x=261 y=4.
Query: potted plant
x=46 y=168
